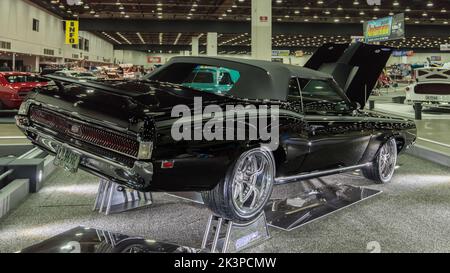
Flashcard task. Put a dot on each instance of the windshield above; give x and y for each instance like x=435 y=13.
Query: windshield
x=24 y=79
x=317 y=96
x=200 y=77
x=83 y=74
x=211 y=79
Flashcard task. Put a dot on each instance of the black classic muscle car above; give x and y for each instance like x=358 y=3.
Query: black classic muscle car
x=123 y=130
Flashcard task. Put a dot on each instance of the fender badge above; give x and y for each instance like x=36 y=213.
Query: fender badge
x=166 y=164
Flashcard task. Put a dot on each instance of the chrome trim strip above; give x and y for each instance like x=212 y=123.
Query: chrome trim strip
x=295 y=178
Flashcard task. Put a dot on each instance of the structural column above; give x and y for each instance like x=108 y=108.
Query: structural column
x=195 y=46
x=211 y=47
x=14 y=61
x=36 y=64
x=262 y=29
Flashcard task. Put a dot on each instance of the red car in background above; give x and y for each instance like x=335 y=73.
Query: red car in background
x=15 y=86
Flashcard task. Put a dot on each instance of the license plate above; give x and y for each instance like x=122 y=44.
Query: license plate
x=67 y=159
x=431 y=98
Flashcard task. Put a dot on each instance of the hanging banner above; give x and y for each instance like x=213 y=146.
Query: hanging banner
x=154 y=60
x=445 y=47
x=385 y=29
x=72 y=28
x=281 y=53
x=402 y=53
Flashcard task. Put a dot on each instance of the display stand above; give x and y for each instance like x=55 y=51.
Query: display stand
x=225 y=236
x=313 y=204
x=114 y=198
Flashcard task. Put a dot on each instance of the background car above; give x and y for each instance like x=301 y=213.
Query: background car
x=76 y=75
x=432 y=88
x=15 y=86
x=212 y=79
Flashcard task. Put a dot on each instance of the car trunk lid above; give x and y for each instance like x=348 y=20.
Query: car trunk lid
x=119 y=103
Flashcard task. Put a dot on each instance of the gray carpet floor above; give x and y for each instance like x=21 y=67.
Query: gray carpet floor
x=411 y=215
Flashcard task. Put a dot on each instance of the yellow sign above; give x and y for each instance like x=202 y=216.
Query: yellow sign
x=72 y=32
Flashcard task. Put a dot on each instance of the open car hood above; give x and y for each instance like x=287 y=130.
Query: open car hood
x=354 y=67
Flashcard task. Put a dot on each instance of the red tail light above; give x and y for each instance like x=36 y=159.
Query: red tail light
x=69 y=128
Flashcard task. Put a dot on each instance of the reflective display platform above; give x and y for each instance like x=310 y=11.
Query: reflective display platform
x=88 y=240
x=289 y=214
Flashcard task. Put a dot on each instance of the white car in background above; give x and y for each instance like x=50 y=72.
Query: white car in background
x=432 y=88
x=76 y=75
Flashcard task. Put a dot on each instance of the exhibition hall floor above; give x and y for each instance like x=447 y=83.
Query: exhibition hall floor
x=411 y=215
x=433 y=131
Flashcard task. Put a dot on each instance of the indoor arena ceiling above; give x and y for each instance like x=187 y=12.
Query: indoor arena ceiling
x=417 y=11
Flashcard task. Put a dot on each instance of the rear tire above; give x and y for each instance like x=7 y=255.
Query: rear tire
x=383 y=168
x=246 y=188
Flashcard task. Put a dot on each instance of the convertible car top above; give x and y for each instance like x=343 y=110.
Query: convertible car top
x=355 y=68
x=259 y=79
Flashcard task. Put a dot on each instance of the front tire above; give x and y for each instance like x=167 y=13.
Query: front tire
x=245 y=190
x=383 y=168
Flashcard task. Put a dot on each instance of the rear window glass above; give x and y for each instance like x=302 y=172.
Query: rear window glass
x=433 y=89
x=200 y=77
x=212 y=79
x=24 y=79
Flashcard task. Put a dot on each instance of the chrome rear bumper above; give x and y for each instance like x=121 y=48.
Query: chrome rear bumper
x=137 y=177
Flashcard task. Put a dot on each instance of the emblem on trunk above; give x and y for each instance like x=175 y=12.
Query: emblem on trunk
x=75 y=129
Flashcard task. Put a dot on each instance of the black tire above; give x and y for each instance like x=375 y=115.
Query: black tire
x=381 y=171
x=222 y=199
x=1 y=105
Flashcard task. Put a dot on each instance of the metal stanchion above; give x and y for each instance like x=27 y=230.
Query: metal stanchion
x=371 y=104
x=418 y=110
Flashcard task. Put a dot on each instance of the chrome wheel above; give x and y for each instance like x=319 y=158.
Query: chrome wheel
x=387 y=159
x=252 y=182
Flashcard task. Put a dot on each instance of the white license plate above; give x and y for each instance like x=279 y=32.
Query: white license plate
x=431 y=97
x=67 y=159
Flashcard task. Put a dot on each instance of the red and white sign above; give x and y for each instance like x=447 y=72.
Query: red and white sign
x=153 y=60
x=263 y=19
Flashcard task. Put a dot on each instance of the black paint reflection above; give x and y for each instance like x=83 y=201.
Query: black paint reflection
x=87 y=240
x=288 y=214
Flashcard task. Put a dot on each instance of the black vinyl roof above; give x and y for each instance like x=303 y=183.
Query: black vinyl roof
x=259 y=79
